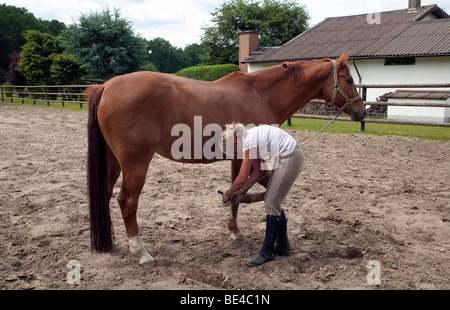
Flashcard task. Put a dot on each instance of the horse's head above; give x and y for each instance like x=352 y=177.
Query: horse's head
x=340 y=90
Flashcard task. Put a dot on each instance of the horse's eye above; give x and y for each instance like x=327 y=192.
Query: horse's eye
x=350 y=81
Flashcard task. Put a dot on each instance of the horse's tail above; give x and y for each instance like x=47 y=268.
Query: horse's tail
x=100 y=217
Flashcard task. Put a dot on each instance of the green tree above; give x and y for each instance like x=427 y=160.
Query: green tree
x=65 y=70
x=193 y=54
x=105 y=44
x=13 y=22
x=166 y=57
x=277 y=21
x=37 y=56
x=170 y=59
x=53 y=27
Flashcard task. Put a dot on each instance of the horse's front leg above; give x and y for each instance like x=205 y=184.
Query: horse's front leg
x=252 y=198
x=236 y=233
x=234 y=207
x=249 y=198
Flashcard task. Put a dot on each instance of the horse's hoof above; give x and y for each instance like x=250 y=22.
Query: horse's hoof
x=115 y=248
x=137 y=249
x=147 y=260
x=238 y=236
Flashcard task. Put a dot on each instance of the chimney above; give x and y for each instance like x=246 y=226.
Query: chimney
x=248 y=43
x=414 y=5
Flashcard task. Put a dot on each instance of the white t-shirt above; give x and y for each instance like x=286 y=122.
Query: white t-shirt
x=270 y=142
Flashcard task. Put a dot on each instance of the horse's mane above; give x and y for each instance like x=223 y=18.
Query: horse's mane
x=296 y=69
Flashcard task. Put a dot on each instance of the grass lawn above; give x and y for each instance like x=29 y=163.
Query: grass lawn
x=51 y=104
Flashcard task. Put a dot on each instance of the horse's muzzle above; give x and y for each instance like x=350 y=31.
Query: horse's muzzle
x=358 y=115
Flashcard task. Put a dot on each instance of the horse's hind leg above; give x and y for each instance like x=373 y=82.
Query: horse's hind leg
x=134 y=174
x=113 y=171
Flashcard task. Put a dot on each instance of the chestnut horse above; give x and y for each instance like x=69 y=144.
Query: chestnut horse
x=131 y=118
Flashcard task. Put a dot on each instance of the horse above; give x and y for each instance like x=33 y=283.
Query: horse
x=131 y=117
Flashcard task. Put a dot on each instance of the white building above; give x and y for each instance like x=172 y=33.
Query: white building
x=408 y=46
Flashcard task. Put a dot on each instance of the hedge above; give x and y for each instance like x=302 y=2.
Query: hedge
x=208 y=73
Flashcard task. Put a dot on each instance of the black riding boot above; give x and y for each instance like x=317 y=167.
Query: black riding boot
x=282 y=246
x=267 y=252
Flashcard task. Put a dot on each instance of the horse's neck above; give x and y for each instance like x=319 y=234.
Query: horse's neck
x=286 y=96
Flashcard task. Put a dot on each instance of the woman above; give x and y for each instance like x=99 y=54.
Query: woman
x=287 y=161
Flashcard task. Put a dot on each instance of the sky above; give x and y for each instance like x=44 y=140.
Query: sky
x=181 y=21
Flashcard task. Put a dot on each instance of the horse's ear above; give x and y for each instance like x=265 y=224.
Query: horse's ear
x=344 y=58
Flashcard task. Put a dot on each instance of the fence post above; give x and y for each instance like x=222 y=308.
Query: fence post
x=1 y=90
x=62 y=91
x=364 y=98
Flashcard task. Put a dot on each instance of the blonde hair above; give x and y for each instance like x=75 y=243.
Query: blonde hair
x=231 y=133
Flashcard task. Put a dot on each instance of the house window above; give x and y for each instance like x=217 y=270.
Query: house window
x=400 y=61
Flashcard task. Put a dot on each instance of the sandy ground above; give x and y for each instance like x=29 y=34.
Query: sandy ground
x=360 y=198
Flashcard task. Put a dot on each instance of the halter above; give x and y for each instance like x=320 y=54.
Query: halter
x=337 y=89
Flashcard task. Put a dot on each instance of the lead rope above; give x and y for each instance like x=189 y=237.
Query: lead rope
x=337 y=89
x=320 y=131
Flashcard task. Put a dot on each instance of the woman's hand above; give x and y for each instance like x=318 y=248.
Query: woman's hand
x=226 y=200
x=240 y=180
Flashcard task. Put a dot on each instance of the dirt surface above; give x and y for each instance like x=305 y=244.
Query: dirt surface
x=360 y=198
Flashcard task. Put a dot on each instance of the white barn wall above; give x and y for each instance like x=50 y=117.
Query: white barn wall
x=427 y=70
x=257 y=67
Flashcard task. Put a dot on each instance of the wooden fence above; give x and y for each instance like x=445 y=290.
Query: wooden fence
x=63 y=94
x=60 y=94
x=363 y=91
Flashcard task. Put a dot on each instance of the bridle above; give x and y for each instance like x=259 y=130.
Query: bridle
x=337 y=89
